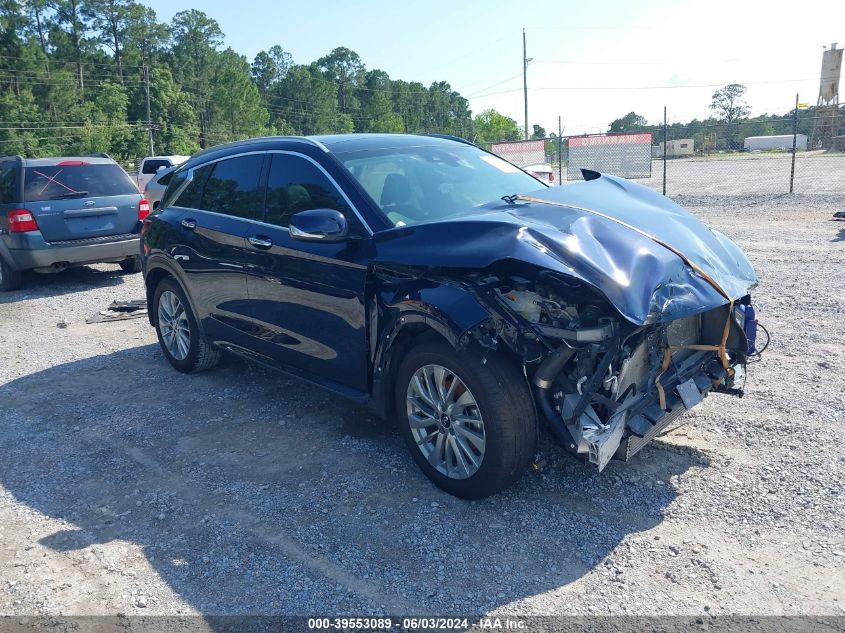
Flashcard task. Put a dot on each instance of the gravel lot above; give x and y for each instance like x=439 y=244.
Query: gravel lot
x=126 y=487
x=747 y=174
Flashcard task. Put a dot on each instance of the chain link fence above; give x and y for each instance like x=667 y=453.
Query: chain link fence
x=704 y=159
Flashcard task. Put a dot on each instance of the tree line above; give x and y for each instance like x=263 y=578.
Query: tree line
x=74 y=78
x=728 y=127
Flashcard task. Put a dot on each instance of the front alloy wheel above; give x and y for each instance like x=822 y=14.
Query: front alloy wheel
x=467 y=417
x=445 y=421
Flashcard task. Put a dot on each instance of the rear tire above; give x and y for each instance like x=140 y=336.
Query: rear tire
x=178 y=332
x=501 y=412
x=131 y=264
x=9 y=279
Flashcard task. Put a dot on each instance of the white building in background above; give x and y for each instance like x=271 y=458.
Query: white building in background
x=780 y=141
x=676 y=147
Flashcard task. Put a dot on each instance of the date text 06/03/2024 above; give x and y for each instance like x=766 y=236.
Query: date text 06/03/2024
x=416 y=624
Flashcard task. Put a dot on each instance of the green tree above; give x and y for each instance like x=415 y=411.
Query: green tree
x=539 y=132
x=196 y=39
x=71 y=23
x=345 y=69
x=173 y=118
x=237 y=106
x=111 y=18
x=491 y=126
x=377 y=114
x=270 y=67
x=631 y=122
x=729 y=104
x=146 y=38
x=306 y=102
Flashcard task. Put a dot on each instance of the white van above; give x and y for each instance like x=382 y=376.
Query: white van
x=148 y=167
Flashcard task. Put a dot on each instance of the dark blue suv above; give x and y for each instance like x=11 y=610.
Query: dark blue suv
x=60 y=212
x=441 y=286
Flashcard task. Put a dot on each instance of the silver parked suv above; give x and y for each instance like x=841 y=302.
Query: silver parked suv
x=61 y=212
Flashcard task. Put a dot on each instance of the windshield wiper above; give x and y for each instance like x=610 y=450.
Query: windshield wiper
x=71 y=194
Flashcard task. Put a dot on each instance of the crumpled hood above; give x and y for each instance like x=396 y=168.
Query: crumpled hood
x=644 y=280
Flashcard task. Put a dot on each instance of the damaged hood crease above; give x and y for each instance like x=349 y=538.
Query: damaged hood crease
x=652 y=259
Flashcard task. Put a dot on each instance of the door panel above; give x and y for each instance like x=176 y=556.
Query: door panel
x=308 y=300
x=308 y=297
x=214 y=253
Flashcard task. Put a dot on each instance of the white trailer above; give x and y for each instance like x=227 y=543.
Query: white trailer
x=780 y=141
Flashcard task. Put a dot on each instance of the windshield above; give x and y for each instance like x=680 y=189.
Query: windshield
x=74 y=180
x=423 y=184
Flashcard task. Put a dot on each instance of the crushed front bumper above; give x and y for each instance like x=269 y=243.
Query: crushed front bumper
x=642 y=384
x=685 y=387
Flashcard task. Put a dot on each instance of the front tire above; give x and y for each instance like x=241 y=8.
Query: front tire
x=468 y=420
x=178 y=332
x=9 y=279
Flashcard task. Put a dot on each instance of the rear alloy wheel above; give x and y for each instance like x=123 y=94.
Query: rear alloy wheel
x=177 y=330
x=468 y=420
x=131 y=265
x=9 y=279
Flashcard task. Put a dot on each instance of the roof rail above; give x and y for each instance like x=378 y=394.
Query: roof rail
x=452 y=137
x=280 y=137
x=313 y=141
x=99 y=155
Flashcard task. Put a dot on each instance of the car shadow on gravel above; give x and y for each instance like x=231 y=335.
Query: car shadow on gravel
x=76 y=279
x=249 y=493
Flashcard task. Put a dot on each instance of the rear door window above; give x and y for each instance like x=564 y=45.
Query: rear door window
x=66 y=181
x=293 y=185
x=234 y=187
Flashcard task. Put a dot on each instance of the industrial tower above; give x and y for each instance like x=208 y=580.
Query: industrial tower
x=827 y=107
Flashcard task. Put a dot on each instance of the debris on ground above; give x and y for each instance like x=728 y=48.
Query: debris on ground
x=120 y=311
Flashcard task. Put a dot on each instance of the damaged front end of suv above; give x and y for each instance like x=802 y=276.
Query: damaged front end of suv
x=623 y=309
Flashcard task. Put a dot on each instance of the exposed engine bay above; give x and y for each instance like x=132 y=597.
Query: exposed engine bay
x=605 y=386
x=622 y=308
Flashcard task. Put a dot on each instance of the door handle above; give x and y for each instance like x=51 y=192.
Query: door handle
x=189 y=224
x=260 y=241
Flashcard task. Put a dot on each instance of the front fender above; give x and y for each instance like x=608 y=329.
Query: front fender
x=448 y=308
x=443 y=306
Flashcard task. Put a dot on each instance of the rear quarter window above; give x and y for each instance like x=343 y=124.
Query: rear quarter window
x=191 y=195
x=8 y=195
x=57 y=182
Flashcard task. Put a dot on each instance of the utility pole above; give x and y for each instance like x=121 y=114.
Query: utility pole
x=149 y=117
x=794 y=142
x=525 y=80
x=559 y=152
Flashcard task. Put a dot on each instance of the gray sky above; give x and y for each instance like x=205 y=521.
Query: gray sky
x=593 y=61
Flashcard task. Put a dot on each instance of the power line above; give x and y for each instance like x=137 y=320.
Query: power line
x=669 y=87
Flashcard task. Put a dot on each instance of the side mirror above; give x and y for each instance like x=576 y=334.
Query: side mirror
x=319 y=225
